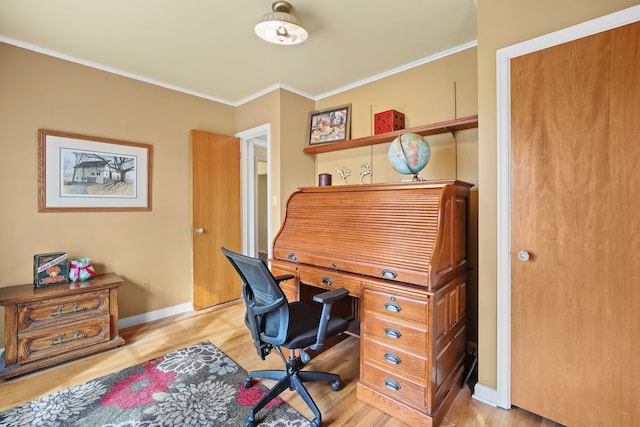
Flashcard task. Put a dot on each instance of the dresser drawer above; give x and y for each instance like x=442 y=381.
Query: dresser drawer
x=394 y=359
x=394 y=386
x=396 y=306
x=56 y=311
x=48 y=342
x=329 y=280
x=393 y=333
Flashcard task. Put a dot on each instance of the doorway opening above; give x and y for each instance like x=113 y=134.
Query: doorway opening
x=255 y=185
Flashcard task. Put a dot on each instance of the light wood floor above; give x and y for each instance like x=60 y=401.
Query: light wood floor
x=224 y=327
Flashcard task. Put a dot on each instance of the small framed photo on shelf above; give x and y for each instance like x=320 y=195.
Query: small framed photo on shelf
x=330 y=125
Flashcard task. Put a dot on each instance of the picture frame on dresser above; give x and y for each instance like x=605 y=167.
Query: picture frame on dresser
x=88 y=173
x=329 y=125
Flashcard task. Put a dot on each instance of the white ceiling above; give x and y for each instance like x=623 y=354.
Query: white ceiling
x=208 y=47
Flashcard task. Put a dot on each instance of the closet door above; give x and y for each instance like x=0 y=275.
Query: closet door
x=575 y=284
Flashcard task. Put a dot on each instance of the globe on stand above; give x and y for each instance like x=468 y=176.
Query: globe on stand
x=409 y=153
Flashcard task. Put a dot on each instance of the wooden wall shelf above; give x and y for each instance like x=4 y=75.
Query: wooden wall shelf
x=454 y=125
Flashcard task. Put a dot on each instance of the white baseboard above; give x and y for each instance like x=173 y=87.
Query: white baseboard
x=485 y=394
x=154 y=315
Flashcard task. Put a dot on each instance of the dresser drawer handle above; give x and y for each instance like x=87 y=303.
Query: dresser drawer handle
x=389 y=274
x=59 y=340
x=327 y=281
x=392 y=358
x=292 y=257
x=74 y=308
x=393 y=385
x=392 y=307
x=392 y=333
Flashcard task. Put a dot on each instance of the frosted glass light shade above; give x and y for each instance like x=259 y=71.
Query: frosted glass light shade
x=280 y=27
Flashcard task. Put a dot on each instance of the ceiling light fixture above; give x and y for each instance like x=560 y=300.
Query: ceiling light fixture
x=280 y=27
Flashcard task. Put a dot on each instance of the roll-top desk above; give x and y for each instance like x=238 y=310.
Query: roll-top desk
x=400 y=250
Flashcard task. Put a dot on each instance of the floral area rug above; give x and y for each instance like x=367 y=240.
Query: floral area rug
x=195 y=386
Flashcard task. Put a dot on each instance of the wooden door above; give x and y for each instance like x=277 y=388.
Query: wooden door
x=215 y=163
x=575 y=308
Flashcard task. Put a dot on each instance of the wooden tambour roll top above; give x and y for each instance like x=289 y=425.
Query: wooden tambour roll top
x=408 y=232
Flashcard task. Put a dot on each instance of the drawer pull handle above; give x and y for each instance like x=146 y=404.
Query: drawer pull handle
x=392 y=358
x=327 y=281
x=292 y=257
x=393 y=385
x=392 y=333
x=59 y=340
x=392 y=307
x=389 y=274
x=74 y=308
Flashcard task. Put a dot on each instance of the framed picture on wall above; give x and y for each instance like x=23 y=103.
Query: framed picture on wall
x=88 y=173
x=330 y=125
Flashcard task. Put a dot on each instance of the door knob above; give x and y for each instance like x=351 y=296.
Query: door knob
x=523 y=255
x=199 y=230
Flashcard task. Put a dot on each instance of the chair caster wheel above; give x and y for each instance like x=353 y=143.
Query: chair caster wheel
x=247 y=384
x=249 y=423
x=335 y=386
x=315 y=423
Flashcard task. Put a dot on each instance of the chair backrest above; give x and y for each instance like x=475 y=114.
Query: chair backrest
x=267 y=306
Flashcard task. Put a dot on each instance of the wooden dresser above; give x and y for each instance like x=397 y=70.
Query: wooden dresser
x=47 y=326
x=400 y=250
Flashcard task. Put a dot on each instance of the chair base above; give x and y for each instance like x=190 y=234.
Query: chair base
x=293 y=381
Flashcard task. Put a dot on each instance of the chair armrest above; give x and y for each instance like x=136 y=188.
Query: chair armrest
x=327 y=299
x=283 y=277
x=331 y=296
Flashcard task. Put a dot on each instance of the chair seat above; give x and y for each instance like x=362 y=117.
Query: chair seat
x=303 y=333
x=275 y=322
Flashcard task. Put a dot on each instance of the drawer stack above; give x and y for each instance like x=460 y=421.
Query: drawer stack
x=412 y=349
x=395 y=355
x=59 y=325
x=47 y=326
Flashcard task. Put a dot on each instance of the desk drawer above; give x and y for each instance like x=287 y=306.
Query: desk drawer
x=394 y=334
x=395 y=305
x=394 y=386
x=290 y=287
x=394 y=359
x=329 y=280
x=57 y=311
x=49 y=342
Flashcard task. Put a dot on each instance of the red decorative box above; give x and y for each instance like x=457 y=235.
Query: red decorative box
x=388 y=121
x=50 y=269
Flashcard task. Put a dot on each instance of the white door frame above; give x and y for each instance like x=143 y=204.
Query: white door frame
x=259 y=136
x=502 y=395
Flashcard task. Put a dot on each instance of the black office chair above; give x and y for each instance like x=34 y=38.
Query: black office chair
x=276 y=323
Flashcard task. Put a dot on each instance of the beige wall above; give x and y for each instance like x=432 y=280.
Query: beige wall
x=296 y=168
x=38 y=91
x=436 y=91
x=502 y=23
x=289 y=168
